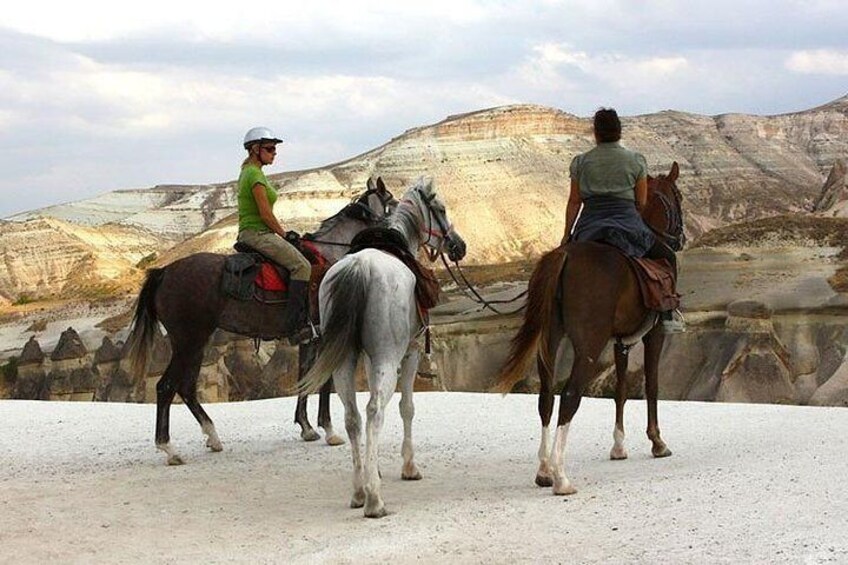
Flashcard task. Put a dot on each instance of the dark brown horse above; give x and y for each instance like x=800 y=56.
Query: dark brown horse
x=185 y=297
x=589 y=292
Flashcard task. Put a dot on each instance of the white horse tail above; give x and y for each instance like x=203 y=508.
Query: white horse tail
x=342 y=329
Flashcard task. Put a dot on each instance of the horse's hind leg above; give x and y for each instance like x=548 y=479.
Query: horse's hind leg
x=324 y=421
x=407 y=412
x=183 y=363
x=653 y=347
x=618 y=451
x=547 y=379
x=188 y=392
x=585 y=367
x=344 y=381
x=305 y=360
x=382 y=382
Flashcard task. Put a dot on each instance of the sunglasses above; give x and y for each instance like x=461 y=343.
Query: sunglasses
x=269 y=148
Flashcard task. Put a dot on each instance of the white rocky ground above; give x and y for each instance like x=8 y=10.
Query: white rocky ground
x=82 y=482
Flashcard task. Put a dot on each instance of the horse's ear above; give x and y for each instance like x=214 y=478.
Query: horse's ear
x=369 y=184
x=675 y=172
x=381 y=186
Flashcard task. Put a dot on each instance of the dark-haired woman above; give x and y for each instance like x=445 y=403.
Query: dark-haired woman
x=610 y=183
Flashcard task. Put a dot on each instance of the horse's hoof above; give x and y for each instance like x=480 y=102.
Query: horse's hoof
x=358 y=500
x=544 y=481
x=175 y=460
x=215 y=446
x=661 y=452
x=413 y=475
x=309 y=435
x=376 y=513
x=335 y=439
x=618 y=454
x=564 y=490
x=563 y=487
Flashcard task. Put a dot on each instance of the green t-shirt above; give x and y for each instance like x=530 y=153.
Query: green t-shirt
x=609 y=170
x=249 y=218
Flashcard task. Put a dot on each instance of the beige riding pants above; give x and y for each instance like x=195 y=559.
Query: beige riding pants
x=279 y=250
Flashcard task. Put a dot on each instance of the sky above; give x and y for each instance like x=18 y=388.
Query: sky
x=98 y=96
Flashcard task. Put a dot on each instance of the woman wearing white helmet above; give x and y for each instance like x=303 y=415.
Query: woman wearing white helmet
x=259 y=227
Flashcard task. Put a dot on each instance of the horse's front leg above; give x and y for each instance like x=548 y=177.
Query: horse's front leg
x=382 y=383
x=653 y=348
x=409 y=472
x=618 y=451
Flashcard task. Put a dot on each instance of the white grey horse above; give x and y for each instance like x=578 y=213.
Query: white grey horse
x=368 y=306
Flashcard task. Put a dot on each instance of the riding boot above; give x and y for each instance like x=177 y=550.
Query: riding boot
x=297 y=321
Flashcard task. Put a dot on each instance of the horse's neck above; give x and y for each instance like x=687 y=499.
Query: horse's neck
x=405 y=221
x=343 y=233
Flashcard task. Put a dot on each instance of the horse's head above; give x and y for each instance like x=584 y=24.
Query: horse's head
x=664 y=211
x=374 y=204
x=437 y=231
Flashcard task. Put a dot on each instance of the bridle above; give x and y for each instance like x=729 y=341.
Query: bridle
x=359 y=208
x=433 y=250
x=673 y=235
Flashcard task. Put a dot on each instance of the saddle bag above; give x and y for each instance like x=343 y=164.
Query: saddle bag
x=239 y=273
x=656 y=281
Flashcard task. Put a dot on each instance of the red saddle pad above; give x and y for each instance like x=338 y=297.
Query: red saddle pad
x=268 y=278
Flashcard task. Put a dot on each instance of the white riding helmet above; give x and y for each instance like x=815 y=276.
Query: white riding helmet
x=259 y=134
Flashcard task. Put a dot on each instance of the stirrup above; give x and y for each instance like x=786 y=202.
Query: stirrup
x=676 y=324
x=427 y=368
x=306 y=334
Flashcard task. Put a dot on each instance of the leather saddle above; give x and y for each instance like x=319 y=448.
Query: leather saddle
x=392 y=242
x=249 y=275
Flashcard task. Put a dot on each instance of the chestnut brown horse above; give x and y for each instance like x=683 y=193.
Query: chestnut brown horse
x=185 y=297
x=589 y=292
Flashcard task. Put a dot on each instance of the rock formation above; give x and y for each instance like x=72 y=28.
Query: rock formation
x=32 y=383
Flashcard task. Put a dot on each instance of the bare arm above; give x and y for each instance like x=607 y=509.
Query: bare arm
x=641 y=193
x=573 y=207
x=265 y=211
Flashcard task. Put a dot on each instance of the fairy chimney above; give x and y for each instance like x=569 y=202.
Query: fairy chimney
x=107 y=362
x=71 y=375
x=31 y=383
x=760 y=369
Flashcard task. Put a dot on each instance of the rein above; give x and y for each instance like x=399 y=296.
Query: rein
x=475 y=296
x=673 y=220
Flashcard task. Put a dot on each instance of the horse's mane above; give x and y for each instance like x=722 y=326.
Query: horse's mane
x=404 y=219
x=330 y=223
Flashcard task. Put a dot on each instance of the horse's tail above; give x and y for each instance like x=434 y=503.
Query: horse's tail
x=144 y=322
x=541 y=296
x=342 y=328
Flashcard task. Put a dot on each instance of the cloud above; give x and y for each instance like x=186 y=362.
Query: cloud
x=819 y=61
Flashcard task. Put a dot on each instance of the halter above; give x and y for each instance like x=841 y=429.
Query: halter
x=673 y=236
